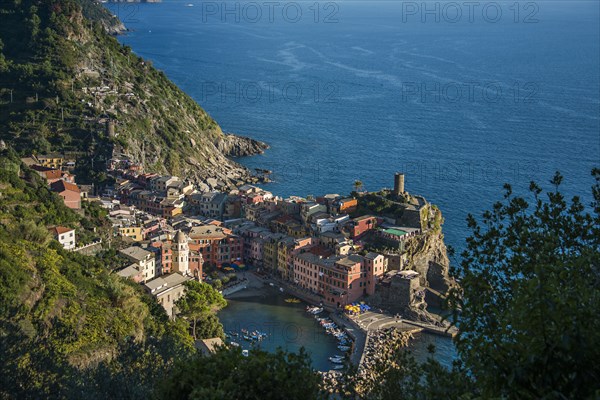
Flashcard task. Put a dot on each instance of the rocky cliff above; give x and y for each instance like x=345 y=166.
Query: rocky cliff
x=240 y=146
x=427 y=255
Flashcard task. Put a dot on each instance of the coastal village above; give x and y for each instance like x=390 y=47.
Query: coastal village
x=329 y=251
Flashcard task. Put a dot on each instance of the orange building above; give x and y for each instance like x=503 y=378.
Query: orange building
x=346 y=206
x=217 y=245
x=338 y=280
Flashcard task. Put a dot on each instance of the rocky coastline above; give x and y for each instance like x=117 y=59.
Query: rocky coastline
x=240 y=146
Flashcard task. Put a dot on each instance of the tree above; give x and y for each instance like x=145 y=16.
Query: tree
x=529 y=298
x=358 y=185
x=199 y=300
x=526 y=309
x=229 y=375
x=217 y=284
x=209 y=326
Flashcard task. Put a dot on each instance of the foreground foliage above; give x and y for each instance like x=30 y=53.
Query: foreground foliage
x=530 y=295
x=526 y=309
x=230 y=375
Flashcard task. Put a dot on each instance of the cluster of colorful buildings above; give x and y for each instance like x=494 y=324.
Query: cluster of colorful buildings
x=315 y=244
x=56 y=170
x=172 y=228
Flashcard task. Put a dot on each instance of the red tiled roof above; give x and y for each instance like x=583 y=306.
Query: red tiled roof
x=49 y=173
x=59 y=230
x=61 y=186
x=321 y=251
x=284 y=218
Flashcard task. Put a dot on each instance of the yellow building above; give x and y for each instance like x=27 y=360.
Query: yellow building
x=51 y=161
x=133 y=232
x=296 y=230
x=283 y=247
x=270 y=254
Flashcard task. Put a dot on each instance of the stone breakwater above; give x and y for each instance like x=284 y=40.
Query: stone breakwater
x=379 y=355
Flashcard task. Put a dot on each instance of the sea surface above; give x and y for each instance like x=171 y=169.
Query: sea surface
x=460 y=98
x=287 y=325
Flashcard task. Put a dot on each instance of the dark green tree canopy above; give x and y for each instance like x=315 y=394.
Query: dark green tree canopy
x=528 y=307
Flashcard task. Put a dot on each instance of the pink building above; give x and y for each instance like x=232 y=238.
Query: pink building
x=69 y=192
x=359 y=226
x=338 y=280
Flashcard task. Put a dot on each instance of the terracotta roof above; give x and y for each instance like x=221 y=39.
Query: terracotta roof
x=284 y=218
x=61 y=186
x=59 y=230
x=49 y=173
x=321 y=251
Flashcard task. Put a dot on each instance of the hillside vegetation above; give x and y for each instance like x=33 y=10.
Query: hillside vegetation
x=66 y=322
x=63 y=78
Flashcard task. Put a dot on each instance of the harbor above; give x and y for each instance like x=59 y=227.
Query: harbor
x=267 y=313
x=269 y=322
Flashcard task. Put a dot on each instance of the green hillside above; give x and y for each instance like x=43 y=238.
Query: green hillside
x=66 y=322
x=63 y=77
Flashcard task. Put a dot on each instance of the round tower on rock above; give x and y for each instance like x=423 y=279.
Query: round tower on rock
x=398 y=183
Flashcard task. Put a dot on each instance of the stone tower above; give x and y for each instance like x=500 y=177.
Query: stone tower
x=398 y=183
x=110 y=128
x=181 y=254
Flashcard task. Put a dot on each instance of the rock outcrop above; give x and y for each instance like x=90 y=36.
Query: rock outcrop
x=240 y=146
x=427 y=255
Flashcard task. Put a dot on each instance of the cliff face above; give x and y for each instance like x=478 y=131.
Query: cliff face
x=92 y=79
x=240 y=146
x=427 y=255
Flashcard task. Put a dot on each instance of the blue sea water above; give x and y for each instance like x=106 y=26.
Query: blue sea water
x=462 y=100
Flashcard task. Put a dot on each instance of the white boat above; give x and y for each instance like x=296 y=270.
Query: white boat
x=281 y=289
x=343 y=348
x=338 y=366
x=336 y=360
x=245 y=353
x=235 y=344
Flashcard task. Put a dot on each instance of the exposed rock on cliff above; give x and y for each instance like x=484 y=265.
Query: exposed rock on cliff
x=240 y=146
x=427 y=255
